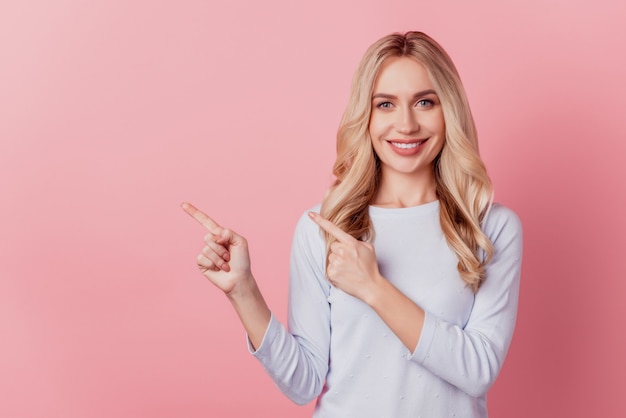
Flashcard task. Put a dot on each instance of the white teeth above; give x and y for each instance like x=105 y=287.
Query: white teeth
x=405 y=145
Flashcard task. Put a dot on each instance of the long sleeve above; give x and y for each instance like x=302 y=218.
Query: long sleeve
x=297 y=360
x=470 y=357
x=364 y=370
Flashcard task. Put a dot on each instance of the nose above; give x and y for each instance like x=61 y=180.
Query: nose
x=407 y=122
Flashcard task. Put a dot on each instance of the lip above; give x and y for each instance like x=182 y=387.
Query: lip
x=409 y=150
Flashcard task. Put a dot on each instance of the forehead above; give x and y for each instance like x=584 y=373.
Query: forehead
x=402 y=74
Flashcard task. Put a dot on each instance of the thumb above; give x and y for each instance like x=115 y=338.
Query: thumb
x=228 y=237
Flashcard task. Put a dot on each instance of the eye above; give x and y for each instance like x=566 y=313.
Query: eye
x=384 y=105
x=425 y=103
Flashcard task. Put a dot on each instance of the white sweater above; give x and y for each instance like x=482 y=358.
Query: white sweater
x=339 y=350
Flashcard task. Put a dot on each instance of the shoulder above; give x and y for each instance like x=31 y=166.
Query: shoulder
x=308 y=249
x=504 y=229
x=306 y=231
x=500 y=219
x=305 y=223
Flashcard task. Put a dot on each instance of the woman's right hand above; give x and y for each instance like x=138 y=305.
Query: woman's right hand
x=224 y=260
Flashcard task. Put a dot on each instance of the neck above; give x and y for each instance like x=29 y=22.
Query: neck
x=398 y=190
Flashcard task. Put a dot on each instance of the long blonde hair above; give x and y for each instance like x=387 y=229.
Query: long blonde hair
x=463 y=187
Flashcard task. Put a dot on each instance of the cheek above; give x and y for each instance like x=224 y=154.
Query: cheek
x=375 y=138
x=441 y=133
x=436 y=125
x=440 y=122
x=371 y=127
x=376 y=126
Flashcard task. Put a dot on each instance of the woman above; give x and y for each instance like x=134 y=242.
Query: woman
x=405 y=305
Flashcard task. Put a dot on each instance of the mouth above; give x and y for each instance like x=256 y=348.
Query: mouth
x=407 y=144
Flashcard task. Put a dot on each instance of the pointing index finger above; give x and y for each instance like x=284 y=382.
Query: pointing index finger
x=204 y=219
x=331 y=228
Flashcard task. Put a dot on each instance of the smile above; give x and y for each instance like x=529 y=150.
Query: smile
x=407 y=145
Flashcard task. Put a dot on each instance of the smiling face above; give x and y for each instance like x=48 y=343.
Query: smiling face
x=406 y=125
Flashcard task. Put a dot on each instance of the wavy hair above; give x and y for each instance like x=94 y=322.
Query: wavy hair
x=463 y=187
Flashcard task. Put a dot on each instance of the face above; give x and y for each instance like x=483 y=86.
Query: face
x=406 y=125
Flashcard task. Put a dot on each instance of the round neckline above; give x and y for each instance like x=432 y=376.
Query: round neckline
x=423 y=208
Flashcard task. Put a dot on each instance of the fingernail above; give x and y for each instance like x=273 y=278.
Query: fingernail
x=312 y=215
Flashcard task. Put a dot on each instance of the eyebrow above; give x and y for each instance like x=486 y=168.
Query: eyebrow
x=415 y=96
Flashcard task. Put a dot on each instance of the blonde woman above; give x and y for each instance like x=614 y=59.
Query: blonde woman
x=404 y=282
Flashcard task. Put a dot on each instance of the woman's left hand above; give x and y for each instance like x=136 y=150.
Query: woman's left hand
x=352 y=265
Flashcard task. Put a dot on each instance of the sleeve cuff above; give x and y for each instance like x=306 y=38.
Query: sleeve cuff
x=429 y=329
x=269 y=332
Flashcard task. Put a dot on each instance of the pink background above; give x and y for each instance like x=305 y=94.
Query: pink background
x=112 y=112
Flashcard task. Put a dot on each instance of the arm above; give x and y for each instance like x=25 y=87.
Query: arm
x=297 y=363
x=470 y=357
x=353 y=268
x=297 y=360
x=225 y=261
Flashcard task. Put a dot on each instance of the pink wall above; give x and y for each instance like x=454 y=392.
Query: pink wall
x=112 y=112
